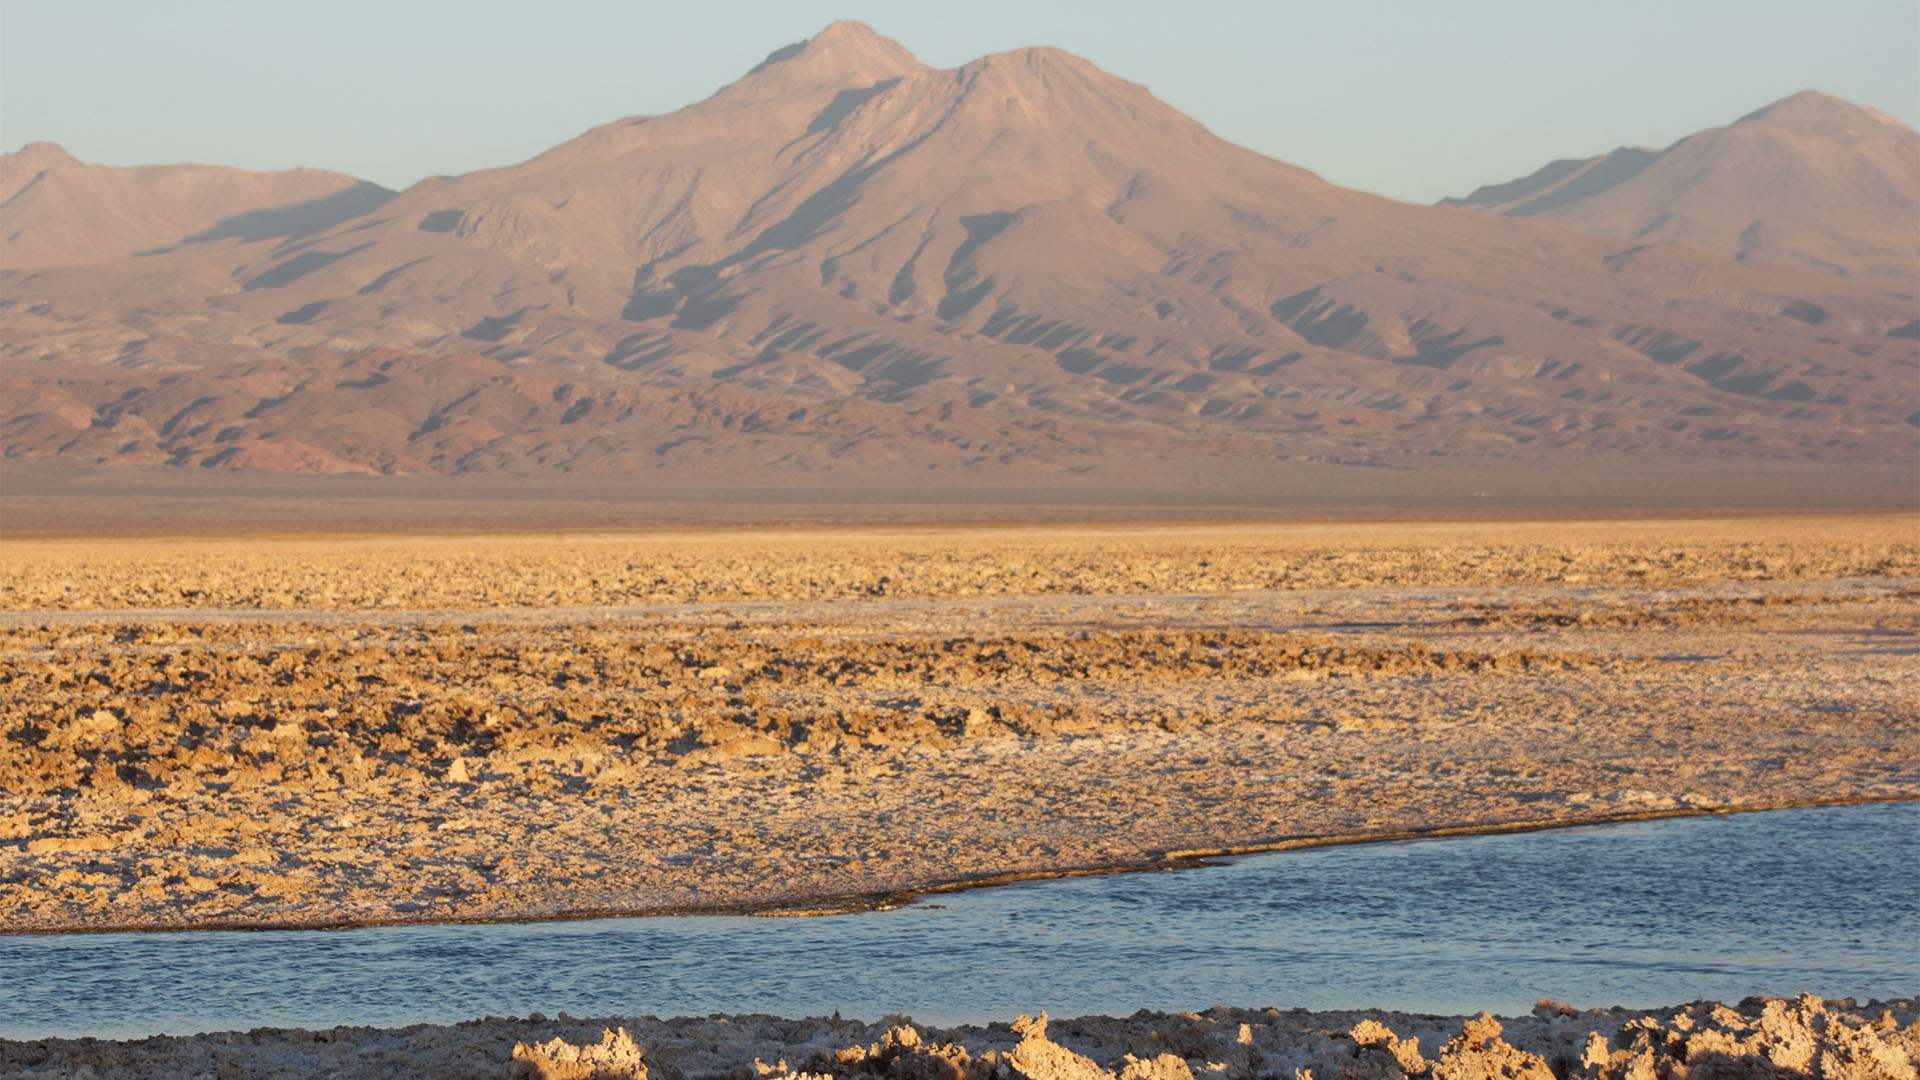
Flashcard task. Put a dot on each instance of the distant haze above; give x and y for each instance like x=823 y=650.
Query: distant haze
x=1414 y=101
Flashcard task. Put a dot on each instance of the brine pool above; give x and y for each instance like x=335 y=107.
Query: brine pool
x=1637 y=914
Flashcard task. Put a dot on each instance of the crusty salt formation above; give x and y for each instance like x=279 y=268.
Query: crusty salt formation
x=1803 y=1037
x=1757 y=1039
x=1139 y=691
x=615 y=1057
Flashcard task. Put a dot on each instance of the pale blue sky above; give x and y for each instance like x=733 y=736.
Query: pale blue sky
x=1410 y=98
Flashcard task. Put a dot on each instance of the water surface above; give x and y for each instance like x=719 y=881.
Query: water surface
x=1640 y=914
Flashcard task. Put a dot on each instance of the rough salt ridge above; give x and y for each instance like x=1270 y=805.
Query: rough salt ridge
x=1759 y=1038
x=261 y=767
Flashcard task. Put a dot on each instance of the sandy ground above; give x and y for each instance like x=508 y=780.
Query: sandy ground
x=319 y=732
x=1764 y=1039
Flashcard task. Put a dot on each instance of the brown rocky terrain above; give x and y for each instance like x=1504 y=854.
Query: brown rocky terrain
x=847 y=261
x=327 y=732
x=1810 y=181
x=1757 y=1038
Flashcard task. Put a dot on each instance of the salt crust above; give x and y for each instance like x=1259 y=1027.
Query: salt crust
x=1759 y=1038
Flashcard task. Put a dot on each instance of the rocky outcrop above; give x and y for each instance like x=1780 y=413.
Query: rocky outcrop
x=615 y=1057
x=1757 y=1039
x=1800 y=1038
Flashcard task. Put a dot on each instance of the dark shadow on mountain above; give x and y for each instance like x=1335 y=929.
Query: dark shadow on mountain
x=1653 y=226
x=495 y=327
x=1079 y=361
x=440 y=221
x=382 y=281
x=696 y=280
x=684 y=288
x=639 y=350
x=955 y=304
x=1123 y=374
x=980 y=229
x=766 y=356
x=304 y=314
x=1439 y=351
x=1231 y=359
x=1806 y=311
x=963 y=291
x=784 y=52
x=266 y=405
x=817 y=210
x=300 y=219
x=807 y=219
x=298 y=267
x=701 y=312
x=650 y=304
x=1288 y=308
x=1732 y=373
x=688 y=291
x=1320 y=320
x=845 y=102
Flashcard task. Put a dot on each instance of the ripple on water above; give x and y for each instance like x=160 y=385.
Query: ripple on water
x=1640 y=914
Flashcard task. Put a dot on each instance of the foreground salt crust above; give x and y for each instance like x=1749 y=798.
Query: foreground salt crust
x=649 y=724
x=1760 y=1038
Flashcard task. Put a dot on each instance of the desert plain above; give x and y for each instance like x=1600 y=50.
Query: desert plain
x=330 y=730
x=310 y=732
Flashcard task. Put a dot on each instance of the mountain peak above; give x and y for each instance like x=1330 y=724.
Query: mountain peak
x=1809 y=181
x=848 y=260
x=42 y=155
x=850 y=31
x=1040 y=60
x=1056 y=81
x=845 y=54
x=1812 y=112
x=22 y=167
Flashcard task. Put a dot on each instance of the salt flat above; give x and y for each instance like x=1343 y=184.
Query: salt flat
x=323 y=732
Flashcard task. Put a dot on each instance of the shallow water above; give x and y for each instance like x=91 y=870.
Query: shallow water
x=1640 y=914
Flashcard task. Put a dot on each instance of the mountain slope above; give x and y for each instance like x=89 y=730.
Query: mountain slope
x=1810 y=180
x=1023 y=262
x=57 y=211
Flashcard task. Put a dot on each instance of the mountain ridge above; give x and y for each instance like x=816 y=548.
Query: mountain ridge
x=58 y=210
x=1808 y=180
x=1022 y=263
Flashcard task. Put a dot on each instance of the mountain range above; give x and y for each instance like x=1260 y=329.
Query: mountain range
x=1807 y=181
x=847 y=260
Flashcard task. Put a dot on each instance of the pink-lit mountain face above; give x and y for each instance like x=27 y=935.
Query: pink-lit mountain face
x=847 y=260
x=1808 y=181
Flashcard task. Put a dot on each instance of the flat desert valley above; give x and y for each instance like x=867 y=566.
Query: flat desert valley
x=321 y=732
x=330 y=731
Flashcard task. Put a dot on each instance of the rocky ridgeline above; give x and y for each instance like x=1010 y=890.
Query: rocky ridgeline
x=1760 y=1038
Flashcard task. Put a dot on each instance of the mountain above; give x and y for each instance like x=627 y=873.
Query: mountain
x=848 y=260
x=57 y=211
x=1810 y=180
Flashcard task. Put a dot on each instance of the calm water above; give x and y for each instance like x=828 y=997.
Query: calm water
x=1640 y=914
